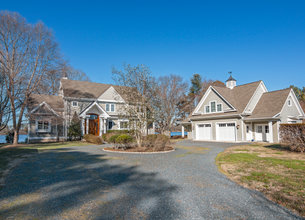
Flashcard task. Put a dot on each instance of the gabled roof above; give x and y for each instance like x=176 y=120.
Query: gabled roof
x=240 y=95
x=270 y=104
x=83 y=89
x=55 y=103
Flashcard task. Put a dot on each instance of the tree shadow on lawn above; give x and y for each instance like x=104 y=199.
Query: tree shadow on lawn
x=69 y=184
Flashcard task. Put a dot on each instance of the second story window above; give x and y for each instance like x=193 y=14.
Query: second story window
x=207 y=109
x=213 y=106
x=219 y=107
x=110 y=107
x=74 y=103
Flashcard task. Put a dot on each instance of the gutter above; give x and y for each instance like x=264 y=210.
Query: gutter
x=218 y=116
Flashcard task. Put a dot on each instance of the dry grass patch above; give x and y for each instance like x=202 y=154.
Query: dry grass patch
x=271 y=169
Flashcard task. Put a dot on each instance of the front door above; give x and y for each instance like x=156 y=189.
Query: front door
x=262 y=132
x=94 y=124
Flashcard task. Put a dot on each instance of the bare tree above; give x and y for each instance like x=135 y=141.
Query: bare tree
x=137 y=86
x=28 y=53
x=170 y=92
x=52 y=78
x=4 y=105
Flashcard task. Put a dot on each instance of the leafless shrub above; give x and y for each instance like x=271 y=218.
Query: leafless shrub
x=294 y=136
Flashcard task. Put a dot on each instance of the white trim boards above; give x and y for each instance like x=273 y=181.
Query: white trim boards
x=46 y=104
x=252 y=97
x=83 y=113
x=206 y=94
x=296 y=102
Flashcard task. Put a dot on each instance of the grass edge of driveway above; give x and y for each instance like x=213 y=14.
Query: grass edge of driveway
x=270 y=169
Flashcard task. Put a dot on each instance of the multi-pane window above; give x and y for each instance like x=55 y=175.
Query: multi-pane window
x=207 y=109
x=259 y=129
x=248 y=129
x=123 y=125
x=43 y=126
x=266 y=129
x=219 y=107
x=74 y=103
x=213 y=106
x=110 y=107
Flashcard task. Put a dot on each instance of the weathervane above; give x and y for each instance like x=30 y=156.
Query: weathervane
x=230 y=73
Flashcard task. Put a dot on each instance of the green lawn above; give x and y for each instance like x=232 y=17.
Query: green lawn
x=273 y=170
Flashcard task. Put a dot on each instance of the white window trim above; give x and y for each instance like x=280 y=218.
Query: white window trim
x=216 y=103
x=206 y=94
x=215 y=106
x=110 y=107
x=205 y=110
x=119 y=124
x=289 y=102
x=74 y=102
x=43 y=130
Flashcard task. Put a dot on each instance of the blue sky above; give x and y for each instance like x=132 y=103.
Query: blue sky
x=256 y=40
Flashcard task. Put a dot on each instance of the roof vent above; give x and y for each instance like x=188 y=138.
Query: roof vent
x=231 y=82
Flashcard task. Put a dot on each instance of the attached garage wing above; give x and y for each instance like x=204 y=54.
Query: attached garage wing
x=204 y=132
x=225 y=132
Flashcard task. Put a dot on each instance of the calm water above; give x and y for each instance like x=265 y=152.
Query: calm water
x=22 y=138
x=177 y=133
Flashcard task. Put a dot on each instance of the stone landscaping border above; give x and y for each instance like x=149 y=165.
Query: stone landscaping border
x=126 y=152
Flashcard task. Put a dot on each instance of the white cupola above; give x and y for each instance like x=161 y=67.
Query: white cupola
x=231 y=82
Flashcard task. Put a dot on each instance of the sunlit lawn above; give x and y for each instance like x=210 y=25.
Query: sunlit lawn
x=271 y=169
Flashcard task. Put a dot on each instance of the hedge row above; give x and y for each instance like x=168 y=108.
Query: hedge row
x=293 y=135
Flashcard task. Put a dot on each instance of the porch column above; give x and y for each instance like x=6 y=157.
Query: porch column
x=270 y=132
x=83 y=126
x=182 y=130
x=105 y=124
x=101 y=126
x=87 y=127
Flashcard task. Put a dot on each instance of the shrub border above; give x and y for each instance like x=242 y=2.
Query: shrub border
x=126 y=152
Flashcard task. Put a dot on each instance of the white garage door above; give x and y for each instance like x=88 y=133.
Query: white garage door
x=204 y=132
x=225 y=132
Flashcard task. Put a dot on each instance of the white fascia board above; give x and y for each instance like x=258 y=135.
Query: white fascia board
x=204 y=98
x=83 y=113
x=119 y=96
x=296 y=102
x=265 y=90
x=46 y=104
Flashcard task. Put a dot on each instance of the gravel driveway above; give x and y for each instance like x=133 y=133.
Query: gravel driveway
x=87 y=183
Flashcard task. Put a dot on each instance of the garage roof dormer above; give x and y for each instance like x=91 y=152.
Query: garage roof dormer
x=231 y=82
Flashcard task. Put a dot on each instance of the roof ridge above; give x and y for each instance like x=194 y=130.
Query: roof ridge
x=279 y=90
x=249 y=83
x=108 y=84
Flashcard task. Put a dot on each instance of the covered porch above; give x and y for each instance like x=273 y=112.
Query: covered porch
x=94 y=120
x=262 y=130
